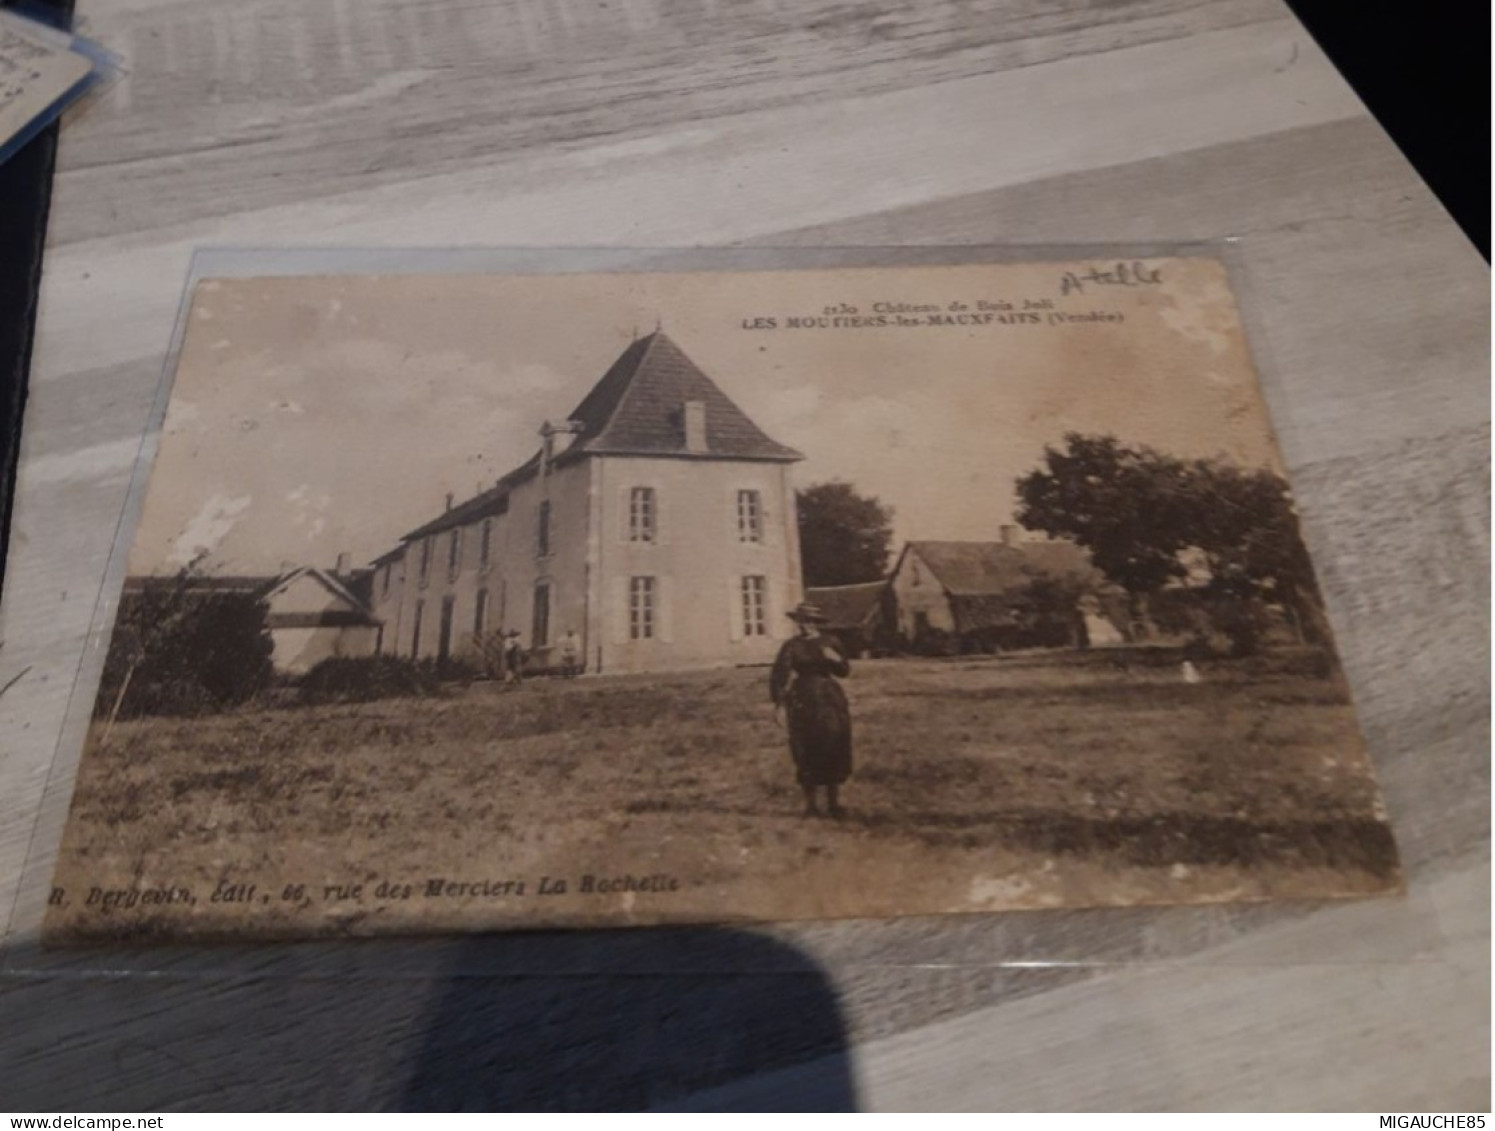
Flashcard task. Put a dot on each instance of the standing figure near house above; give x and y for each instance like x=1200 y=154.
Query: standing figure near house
x=570 y=654
x=513 y=658
x=803 y=682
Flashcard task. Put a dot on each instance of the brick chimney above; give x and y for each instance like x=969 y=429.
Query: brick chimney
x=448 y=500
x=344 y=564
x=695 y=426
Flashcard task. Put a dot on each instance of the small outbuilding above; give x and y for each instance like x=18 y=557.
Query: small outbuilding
x=856 y=614
x=312 y=614
x=982 y=596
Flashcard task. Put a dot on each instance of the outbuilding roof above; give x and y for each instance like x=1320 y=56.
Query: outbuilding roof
x=264 y=587
x=847 y=606
x=978 y=569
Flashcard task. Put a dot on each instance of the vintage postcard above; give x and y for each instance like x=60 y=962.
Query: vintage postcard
x=488 y=602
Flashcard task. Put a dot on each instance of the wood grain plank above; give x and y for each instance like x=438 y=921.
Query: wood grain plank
x=743 y=176
x=1264 y=1037
x=224 y=99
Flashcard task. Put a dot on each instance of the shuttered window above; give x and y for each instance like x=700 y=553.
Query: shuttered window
x=642 y=514
x=480 y=614
x=641 y=608
x=542 y=534
x=749 y=516
x=754 y=606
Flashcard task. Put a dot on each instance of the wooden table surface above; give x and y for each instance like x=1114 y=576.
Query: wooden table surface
x=649 y=123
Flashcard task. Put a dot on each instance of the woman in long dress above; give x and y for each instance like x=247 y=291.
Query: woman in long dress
x=803 y=682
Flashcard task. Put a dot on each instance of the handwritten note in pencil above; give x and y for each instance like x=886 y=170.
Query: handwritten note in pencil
x=38 y=69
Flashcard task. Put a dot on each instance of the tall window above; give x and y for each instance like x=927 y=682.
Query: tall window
x=480 y=614
x=642 y=514
x=542 y=532
x=454 y=554
x=444 y=634
x=425 y=559
x=485 y=545
x=641 y=608
x=389 y=568
x=754 y=606
x=749 y=516
x=540 y=636
x=420 y=609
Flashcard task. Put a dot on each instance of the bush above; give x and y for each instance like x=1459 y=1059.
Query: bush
x=460 y=669
x=936 y=642
x=1303 y=662
x=1241 y=619
x=362 y=679
x=180 y=650
x=985 y=641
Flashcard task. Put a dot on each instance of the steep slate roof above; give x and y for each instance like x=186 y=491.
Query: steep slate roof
x=847 y=605
x=977 y=569
x=637 y=408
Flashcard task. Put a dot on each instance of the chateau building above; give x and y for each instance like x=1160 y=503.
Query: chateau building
x=656 y=523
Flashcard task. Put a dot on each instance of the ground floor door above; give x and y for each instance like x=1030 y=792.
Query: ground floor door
x=444 y=641
x=540 y=625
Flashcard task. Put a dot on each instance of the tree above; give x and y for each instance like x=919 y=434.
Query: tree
x=1119 y=502
x=180 y=648
x=844 y=537
x=1046 y=610
x=1136 y=510
x=1245 y=523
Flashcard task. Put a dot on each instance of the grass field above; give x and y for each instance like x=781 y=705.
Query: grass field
x=979 y=784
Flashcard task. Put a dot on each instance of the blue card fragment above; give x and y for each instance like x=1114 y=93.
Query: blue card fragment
x=42 y=71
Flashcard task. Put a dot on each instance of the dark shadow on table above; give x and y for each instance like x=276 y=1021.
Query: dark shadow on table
x=576 y=1020
x=661 y=1016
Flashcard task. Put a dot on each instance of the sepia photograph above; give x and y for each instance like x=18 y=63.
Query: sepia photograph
x=477 y=602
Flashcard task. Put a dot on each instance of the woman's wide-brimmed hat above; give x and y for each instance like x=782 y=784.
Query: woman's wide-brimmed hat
x=806 y=612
